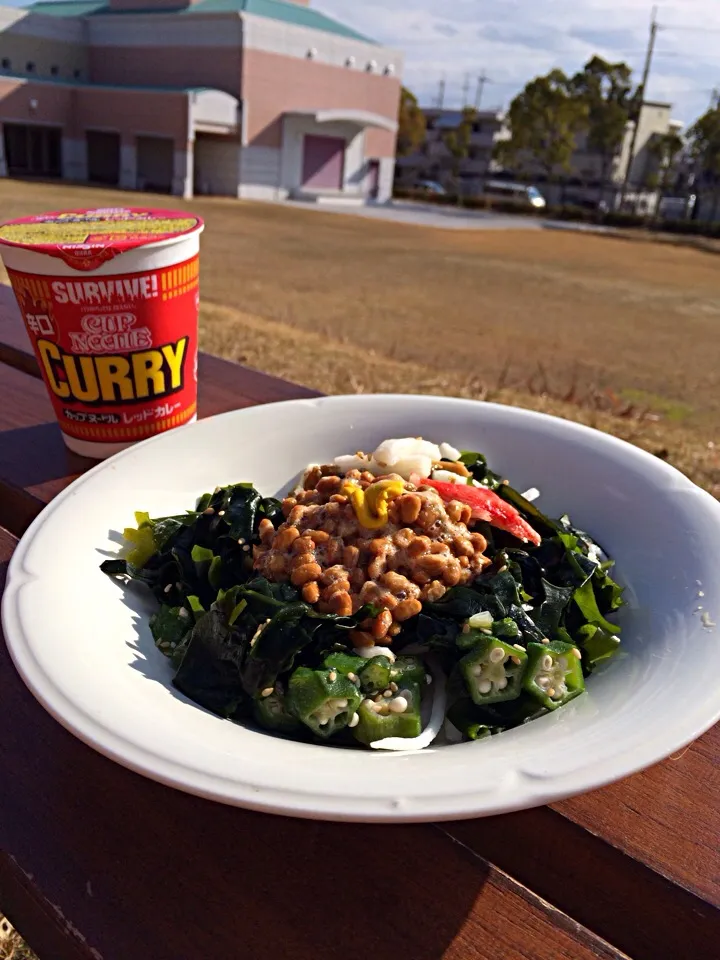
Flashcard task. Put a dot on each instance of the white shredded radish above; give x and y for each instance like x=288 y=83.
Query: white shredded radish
x=367 y=653
x=446 y=476
x=435 y=724
x=390 y=452
x=532 y=494
x=351 y=462
x=448 y=452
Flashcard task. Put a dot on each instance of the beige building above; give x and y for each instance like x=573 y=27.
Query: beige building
x=583 y=184
x=249 y=98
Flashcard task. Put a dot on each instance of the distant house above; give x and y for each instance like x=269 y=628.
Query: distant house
x=244 y=98
x=582 y=184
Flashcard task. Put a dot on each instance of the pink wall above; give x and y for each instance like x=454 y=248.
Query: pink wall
x=132 y=113
x=274 y=84
x=217 y=67
x=54 y=103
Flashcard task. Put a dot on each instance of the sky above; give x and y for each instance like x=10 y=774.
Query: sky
x=511 y=41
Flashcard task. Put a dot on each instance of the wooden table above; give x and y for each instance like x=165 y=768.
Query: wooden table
x=98 y=862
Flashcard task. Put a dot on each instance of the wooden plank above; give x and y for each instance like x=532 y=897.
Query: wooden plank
x=657 y=848
x=100 y=862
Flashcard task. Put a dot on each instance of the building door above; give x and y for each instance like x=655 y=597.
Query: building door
x=32 y=151
x=323 y=163
x=373 y=179
x=103 y=157
x=155 y=161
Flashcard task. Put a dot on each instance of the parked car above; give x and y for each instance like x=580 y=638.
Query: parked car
x=430 y=186
x=517 y=193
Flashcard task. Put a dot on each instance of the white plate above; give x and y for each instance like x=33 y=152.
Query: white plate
x=84 y=648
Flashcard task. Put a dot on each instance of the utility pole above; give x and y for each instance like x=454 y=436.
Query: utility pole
x=441 y=93
x=654 y=27
x=481 y=81
x=466 y=90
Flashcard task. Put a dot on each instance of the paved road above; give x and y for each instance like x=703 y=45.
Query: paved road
x=430 y=215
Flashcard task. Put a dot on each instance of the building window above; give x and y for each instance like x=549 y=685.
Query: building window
x=30 y=66
x=54 y=71
x=5 y=62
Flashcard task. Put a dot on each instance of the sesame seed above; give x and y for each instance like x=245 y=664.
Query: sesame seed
x=551 y=691
x=503 y=568
x=544 y=640
x=178 y=586
x=241 y=541
x=394 y=687
x=208 y=512
x=466 y=628
x=576 y=653
x=352 y=678
x=387 y=694
x=519 y=647
x=182 y=612
x=516 y=660
x=428 y=679
x=268 y=691
x=354 y=720
x=221 y=513
x=394 y=673
x=168 y=588
x=246 y=548
x=332 y=676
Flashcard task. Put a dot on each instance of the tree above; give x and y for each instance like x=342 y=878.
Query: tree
x=411 y=124
x=545 y=119
x=457 y=142
x=704 y=141
x=606 y=90
x=664 y=149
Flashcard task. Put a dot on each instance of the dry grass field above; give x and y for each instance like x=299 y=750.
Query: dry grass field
x=622 y=335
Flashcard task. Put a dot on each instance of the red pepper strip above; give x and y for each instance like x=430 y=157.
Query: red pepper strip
x=487 y=506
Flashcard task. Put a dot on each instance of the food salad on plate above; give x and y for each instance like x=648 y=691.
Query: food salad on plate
x=390 y=599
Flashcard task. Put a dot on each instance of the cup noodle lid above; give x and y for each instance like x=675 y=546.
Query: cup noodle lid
x=85 y=239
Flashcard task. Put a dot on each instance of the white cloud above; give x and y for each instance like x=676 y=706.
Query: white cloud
x=513 y=40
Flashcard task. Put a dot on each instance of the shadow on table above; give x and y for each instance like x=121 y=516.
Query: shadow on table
x=37 y=455
x=143 y=870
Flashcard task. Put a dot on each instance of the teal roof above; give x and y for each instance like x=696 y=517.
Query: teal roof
x=68 y=8
x=285 y=12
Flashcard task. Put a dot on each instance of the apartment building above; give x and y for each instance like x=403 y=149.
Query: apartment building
x=247 y=98
x=582 y=184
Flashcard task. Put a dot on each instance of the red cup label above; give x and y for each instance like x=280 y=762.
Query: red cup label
x=118 y=353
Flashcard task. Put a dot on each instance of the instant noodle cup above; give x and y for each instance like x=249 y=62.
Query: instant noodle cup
x=110 y=299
